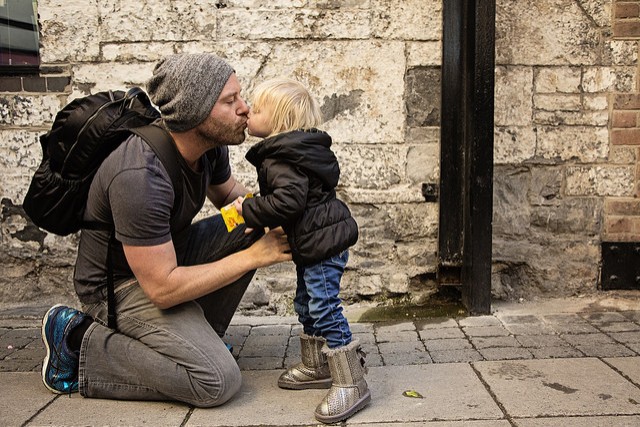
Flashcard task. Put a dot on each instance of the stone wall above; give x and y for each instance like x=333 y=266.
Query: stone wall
x=375 y=67
x=566 y=174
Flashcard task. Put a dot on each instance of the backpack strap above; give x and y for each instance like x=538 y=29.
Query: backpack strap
x=165 y=148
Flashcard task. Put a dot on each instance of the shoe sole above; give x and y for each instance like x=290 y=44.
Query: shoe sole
x=343 y=416
x=317 y=384
x=45 y=363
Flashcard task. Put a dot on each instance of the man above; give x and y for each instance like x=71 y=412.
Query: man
x=177 y=284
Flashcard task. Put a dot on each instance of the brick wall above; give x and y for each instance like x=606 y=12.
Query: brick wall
x=622 y=215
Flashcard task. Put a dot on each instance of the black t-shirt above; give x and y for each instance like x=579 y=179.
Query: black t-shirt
x=133 y=191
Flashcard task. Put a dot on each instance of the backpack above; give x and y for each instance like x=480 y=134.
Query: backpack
x=83 y=134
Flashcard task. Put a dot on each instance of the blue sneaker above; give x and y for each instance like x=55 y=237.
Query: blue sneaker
x=60 y=366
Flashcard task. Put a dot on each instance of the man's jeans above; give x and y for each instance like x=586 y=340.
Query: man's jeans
x=317 y=302
x=172 y=354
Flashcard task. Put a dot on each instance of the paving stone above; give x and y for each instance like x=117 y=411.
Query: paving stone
x=374 y=359
x=605 y=350
x=435 y=334
x=479 y=321
x=635 y=347
x=263 y=351
x=455 y=356
x=260 y=363
x=527 y=319
x=413 y=358
x=541 y=341
x=530 y=329
x=538 y=388
x=266 y=340
x=358 y=328
x=393 y=328
x=612 y=421
x=632 y=315
x=400 y=336
x=626 y=337
x=365 y=338
x=619 y=327
x=489 y=342
x=604 y=317
x=555 y=352
x=628 y=366
x=485 y=331
x=16 y=406
x=271 y=330
x=588 y=339
x=238 y=330
x=400 y=347
x=450 y=392
x=74 y=410
x=505 y=353
x=577 y=329
x=436 y=323
x=447 y=344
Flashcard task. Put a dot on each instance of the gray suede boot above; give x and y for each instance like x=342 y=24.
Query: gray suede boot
x=349 y=391
x=313 y=371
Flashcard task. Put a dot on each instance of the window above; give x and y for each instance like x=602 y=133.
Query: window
x=18 y=36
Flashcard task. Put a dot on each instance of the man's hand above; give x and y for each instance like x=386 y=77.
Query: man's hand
x=272 y=248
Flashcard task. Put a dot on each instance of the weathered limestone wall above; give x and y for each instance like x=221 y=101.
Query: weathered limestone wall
x=559 y=166
x=375 y=67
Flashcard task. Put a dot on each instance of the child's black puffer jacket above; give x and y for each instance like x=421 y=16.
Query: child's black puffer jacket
x=297 y=174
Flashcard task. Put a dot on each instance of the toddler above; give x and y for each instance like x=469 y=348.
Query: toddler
x=297 y=175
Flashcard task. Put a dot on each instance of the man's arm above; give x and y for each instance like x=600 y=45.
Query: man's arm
x=225 y=193
x=167 y=285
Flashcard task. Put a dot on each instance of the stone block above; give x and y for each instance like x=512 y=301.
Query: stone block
x=624 y=155
x=423 y=96
x=360 y=91
x=571 y=216
x=558 y=79
x=29 y=110
x=423 y=163
x=513 y=96
x=72 y=31
x=572 y=118
x=371 y=167
x=583 y=143
x=157 y=20
x=547 y=32
x=557 y=102
x=118 y=76
x=424 y=53
x=621 y=52
x=609 y=79
x=407 y=20
x=600 y=181
x=265 y=24
x=513 y=144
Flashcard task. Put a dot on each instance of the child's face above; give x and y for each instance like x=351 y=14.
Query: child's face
x=258 y=123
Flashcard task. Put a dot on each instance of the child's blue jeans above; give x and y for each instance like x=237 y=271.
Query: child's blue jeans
x=317 y=303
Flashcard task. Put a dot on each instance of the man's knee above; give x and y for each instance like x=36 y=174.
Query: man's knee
x=218 y=388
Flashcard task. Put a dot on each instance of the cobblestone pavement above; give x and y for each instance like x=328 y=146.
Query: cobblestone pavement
x=271 y=342
x=569 y=363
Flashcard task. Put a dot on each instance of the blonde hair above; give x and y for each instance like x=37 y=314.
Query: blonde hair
x=292 y=106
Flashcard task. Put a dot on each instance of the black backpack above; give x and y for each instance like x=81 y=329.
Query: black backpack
x=83 y=134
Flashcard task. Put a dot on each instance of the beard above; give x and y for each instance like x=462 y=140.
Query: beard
x=215 y=133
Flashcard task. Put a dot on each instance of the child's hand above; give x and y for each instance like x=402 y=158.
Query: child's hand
x=237 y=203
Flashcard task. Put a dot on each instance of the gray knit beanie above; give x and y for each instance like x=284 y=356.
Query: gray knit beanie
x=186 y=86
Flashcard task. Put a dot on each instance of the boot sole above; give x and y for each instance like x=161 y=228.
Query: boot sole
x=343 y=416
x=319 y=384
